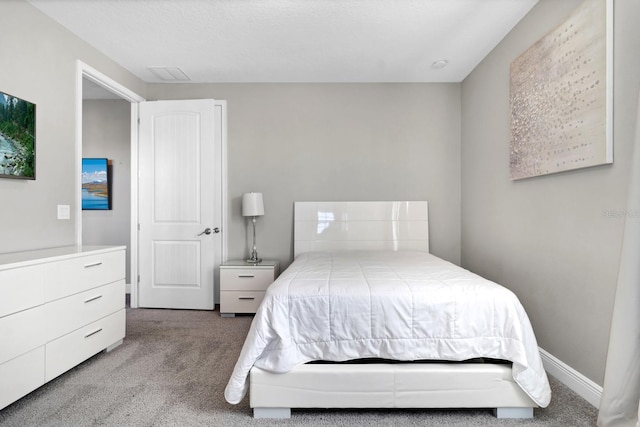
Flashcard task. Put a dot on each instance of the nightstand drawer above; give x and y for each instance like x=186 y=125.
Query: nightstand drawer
x=246 y=279
x=242 y=285
x=240 y=302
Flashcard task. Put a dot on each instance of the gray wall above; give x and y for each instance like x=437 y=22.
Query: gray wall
x=106 y=132
x=337 y=142
x=39 y=60
x=551 y=239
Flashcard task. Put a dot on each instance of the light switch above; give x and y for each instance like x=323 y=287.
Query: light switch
x=64 y=212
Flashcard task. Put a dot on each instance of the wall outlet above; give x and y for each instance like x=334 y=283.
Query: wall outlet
x=64 y=212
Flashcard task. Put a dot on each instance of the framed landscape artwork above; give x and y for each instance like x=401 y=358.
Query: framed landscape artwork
x=561 y=96
x=96 y=188
x=17 y=137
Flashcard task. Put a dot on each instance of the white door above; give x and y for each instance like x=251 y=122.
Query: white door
x=180 y=204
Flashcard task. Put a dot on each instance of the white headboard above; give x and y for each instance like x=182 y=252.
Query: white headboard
x=332 y=226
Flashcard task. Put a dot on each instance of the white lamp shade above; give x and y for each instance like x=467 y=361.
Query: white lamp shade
x=252 y=204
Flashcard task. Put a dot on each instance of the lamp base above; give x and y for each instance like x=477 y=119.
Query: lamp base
x=253 y=256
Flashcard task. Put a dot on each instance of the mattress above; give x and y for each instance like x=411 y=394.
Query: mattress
x=339 y=306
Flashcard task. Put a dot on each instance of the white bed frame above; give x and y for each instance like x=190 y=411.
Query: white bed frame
x=322 y=226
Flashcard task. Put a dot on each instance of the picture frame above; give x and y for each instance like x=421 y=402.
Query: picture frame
x=96 y=184
x=17 y=137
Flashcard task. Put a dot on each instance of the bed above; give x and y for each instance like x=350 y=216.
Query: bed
x=393 y=325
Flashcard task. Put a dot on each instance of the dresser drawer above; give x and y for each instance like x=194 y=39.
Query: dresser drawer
x=21 y=332
x=240 y=301
x=249 y=279
x=79 y=274
x=79 y=345
x=21 y=288
x=67 y=314
x=21 y=376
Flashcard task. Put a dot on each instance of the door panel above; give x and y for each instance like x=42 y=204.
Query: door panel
x=179 y=186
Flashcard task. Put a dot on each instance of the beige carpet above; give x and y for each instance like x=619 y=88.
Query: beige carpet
x=172 y=370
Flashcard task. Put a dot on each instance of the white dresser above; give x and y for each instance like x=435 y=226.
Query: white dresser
x=58 y=307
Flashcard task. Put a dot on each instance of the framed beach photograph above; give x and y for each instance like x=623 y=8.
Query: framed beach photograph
x=17 y=138
x=96 y=188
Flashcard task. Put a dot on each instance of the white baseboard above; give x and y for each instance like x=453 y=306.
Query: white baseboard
x=583 y=386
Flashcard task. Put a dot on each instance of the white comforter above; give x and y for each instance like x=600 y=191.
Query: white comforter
x=393 y=305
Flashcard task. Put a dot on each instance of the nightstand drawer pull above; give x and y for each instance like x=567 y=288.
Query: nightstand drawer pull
x=93 y=299
x=93 y=333
x=249 y=298
x=94 y=264
x=249 y=276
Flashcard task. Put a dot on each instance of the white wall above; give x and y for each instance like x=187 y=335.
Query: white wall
x=549 y=238
x=337 y=142
x=106 y=132
x=39 y=60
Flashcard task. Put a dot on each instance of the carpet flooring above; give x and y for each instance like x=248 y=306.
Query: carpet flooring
x=173 y=367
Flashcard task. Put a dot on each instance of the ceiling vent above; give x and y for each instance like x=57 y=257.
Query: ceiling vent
x=169 y=74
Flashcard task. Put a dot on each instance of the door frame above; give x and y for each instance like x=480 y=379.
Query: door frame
x=84 y=71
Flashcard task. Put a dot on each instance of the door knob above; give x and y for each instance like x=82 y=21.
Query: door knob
x=206 y=231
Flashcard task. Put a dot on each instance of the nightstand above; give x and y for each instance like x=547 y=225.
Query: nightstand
x=242 y=285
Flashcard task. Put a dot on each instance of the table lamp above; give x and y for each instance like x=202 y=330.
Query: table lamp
x=253 y=206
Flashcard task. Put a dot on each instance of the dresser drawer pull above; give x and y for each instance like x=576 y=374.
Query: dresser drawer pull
x=93 y=299
x=93 y=264
x=249 y=298
x=93 y=333
x=248 y=276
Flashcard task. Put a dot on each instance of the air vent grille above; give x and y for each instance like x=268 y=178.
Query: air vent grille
x=169 y=74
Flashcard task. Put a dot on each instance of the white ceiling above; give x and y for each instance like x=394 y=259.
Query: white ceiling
x=293 y=40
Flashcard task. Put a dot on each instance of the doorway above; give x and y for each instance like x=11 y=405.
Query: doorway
x=87 y=74
x=106 y=154
x=88 y=80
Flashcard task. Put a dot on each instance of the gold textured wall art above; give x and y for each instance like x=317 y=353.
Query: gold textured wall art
x=561 y=96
